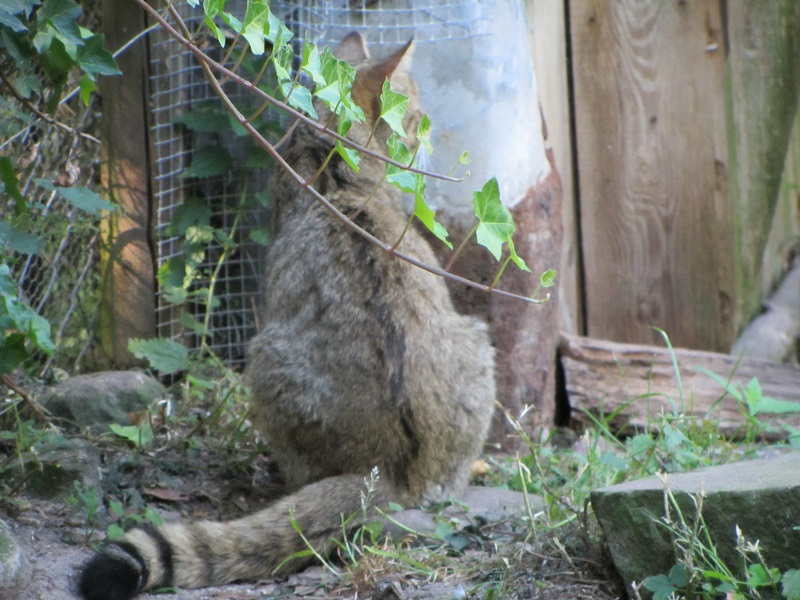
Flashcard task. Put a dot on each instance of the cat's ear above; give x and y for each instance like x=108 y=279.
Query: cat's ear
x=352 y=49
x=385 y=68
x=369 y=79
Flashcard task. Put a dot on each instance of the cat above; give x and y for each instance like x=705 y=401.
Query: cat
x=361 y=362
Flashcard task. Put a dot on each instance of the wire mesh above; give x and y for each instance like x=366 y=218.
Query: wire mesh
x=177 y=85
x=388 y=22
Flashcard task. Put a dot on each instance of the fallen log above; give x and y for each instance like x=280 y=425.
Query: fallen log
x=639 y=382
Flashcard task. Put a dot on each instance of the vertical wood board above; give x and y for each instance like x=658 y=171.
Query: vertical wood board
x=547 y=28
x=764 y=71
x=652 y=161
x=127 y=306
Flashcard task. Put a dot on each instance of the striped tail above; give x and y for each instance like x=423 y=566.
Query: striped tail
x=210 y=553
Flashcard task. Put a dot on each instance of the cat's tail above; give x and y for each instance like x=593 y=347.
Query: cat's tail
x=210 y=553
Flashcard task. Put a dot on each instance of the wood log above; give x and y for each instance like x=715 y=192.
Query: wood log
x=639 y=382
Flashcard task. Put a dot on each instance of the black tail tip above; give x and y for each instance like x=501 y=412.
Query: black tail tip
x=109 y=577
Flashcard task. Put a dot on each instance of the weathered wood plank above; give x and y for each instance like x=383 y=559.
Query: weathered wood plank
x=640 y=381
x=547 y=29
x=764 y=42
x=652 y=163
x=127 y=308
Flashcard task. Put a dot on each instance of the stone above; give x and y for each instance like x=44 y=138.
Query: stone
x=478 y=505
x=14 y=568
x=53 y=466
x=761 y=497
x=98 y=399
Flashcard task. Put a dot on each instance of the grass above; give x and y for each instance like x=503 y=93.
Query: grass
x=211 y=419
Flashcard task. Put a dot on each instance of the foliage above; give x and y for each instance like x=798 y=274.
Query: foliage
x=48 y=46
x=700 y=572
x=45 y=50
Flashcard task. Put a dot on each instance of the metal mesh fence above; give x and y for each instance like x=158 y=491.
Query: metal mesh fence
x=177 y=85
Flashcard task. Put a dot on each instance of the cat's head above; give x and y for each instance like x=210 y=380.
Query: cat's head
x=368 y=83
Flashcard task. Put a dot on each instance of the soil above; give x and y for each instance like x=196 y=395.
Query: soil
x=494 y=560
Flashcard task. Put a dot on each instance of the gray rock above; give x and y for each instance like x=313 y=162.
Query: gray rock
x=478 y=505
x=14 y=568
x=98 y=399
x=52 y=467
x=762 y=497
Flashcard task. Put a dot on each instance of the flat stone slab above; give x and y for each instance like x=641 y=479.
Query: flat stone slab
x=761 y=497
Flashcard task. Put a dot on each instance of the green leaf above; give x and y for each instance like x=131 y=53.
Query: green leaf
x=62 y=16
x=402 y=179
x=424 y=134
x=9 y=18
x=114 y=532
x=80 y=197
x=193 y=212
x=12 y=352
x=464 y=158
x=87 y=87
x=95 y=60
x=790 y=584
x=140 y=436
x=11 y=184
x=548 y=278
x=425 y=213
x=350 y=155
x=393 y=108
x=660 y=585
x=206 y=118
x=299 y=97
x=311 y=63
x=19 y=241
x=256 y=25
x=277 y=32
x=208 y=162
x=496 y=226
x=165 y=356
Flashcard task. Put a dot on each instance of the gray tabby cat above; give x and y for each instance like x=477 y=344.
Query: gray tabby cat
x=362 y=362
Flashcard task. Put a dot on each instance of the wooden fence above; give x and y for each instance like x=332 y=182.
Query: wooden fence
x=669 y=121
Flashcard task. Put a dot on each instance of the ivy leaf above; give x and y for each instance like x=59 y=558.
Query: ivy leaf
x=165 y=356
x=9 y=19
x=311 y=63
x=298 y=97
x=208 y=20
x=87 y=87
x=208 y=162
x=496 y=226
x=393 y=108
x=425 y=213
x=94 y=59
x=277 y=32
x=402 y=179
x=424 y=134
x=350 y=155
x=256 y=25
x=61 y=16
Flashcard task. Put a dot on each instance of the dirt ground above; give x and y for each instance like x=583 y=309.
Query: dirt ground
x=494 y=560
